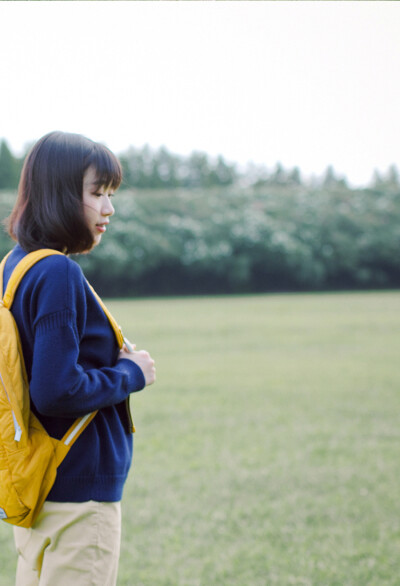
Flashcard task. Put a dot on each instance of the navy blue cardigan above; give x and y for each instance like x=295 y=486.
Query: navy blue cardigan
x=70 y=354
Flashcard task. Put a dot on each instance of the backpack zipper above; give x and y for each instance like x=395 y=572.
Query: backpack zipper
x=18 y=430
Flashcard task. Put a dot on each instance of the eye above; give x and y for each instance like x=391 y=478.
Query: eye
x=98 y=194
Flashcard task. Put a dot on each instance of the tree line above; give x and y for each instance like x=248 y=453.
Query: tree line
x=195 y=225
x=148 y=168
x=230 y=240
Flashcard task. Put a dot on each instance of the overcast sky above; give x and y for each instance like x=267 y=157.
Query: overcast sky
x=305 y=83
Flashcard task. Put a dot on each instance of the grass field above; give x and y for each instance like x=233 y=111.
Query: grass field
x=267 y=453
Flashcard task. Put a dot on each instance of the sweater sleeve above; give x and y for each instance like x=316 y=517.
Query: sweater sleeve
x=60 y=386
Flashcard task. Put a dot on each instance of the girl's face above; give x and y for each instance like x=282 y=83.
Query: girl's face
x=97 y=205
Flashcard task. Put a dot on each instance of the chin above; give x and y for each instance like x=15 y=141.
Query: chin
x=96 y=241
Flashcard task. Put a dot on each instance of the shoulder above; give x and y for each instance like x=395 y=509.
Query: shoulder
x=49 y=267
x=55 y=283
x=57 y=266
x=55 y=273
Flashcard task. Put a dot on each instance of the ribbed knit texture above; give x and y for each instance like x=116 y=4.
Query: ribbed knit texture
x=71 y=354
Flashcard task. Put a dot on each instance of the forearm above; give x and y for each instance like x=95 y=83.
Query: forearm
x=61 y=387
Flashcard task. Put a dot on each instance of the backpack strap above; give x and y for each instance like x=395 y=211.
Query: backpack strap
x=117 y=329
x=25 y=264
x=2 y=264
x=22 y=267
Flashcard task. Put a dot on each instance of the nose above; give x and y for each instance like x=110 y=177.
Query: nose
x=108 y=208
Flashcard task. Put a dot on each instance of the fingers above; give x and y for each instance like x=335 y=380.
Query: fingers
x=152 y=373
x=128 y=346
x=143 y=359
x=148 y=367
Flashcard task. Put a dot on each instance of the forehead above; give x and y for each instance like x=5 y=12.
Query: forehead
x=90 y=177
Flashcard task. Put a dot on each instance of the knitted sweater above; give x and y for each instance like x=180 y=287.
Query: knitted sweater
x=70 y=354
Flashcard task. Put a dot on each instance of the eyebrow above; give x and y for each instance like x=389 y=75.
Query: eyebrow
x=95 y=185
x=86 y=182
x=92 y=184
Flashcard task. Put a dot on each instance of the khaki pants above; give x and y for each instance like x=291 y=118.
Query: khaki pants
x=70 y=544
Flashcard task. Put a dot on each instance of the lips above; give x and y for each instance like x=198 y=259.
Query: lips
x=102 y=227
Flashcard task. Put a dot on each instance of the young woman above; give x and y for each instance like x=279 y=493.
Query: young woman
x=73 y=362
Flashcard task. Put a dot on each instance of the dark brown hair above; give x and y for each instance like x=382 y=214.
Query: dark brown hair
x=48 y=212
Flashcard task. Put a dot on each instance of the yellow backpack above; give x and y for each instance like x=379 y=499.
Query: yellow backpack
x=29 y=457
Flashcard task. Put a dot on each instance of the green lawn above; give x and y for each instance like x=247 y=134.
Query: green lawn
x=267 y=453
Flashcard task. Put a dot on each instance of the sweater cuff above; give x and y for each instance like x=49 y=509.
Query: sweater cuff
x=136 y=380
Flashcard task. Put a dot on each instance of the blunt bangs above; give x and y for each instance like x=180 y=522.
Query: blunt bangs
x=49 y=210
x=107 y=166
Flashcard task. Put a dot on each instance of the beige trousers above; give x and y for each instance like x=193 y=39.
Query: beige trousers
x=70 y=544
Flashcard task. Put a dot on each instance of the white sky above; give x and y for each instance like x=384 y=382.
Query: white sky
x=303 y=83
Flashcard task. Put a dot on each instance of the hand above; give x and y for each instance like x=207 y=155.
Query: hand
x=143 y=360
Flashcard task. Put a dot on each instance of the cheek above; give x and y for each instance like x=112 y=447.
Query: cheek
x=90 y=210
x=87 y=214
